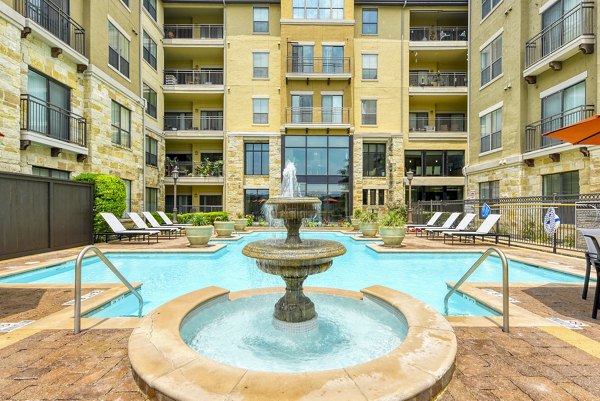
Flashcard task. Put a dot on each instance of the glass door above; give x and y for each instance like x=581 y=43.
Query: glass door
x=302 y=109
x=303 y=58
x=333 y=59
x=332 y=109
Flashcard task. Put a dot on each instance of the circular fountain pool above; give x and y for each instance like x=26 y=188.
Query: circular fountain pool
x=349 y=331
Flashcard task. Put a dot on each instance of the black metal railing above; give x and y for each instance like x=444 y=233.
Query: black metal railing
x=444 y=33
x=191 y=123
x=55 y=20
x=196 y=169
x=318 y=65
x=193 y=77
x=318 y=115
x=199 y=208
x=452 y=79
x=47 y=119
x=193 y=31
x=534 y=133
x=438 y=124
x=575 y=23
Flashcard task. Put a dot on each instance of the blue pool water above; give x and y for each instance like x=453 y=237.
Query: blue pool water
x=166 y=276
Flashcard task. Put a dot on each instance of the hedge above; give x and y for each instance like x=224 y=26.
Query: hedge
x=185 y=217
x=109 y=196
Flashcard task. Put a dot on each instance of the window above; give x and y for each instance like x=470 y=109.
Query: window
x=491 y=61
x=332 y=109
x=373 y=197
x=434 y=163
x=374 y=159
x=151 y=151
x=302 y=109
x=254 y=199
x=257 y=158
x=211 y=120
x=369 y=66
x=175 y=120
x=561 y=183
x=560 y=25
x=303 y=58
x=261 y=19
x=50 y=172
x=487 y=6
x=150 y=6
x=48 y=107
x=126 y=2
x=318 y=9
x=211 y=203
x=369 y=21
x=120 y=124
x=151 y=199
x=149 y=50
x=261 y=65
x=127 y=197
x=318 y=155
x=489 y=190
x=333 y=59
x=118 y=50
x=260 y=107
x=418 y=121
x=491 y=130
x=450 y=122
x=150 y=96
x=563 y=108
x=369 y=112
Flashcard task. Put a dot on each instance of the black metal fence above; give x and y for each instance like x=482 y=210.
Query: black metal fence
x=523 y=217
x=41 y=214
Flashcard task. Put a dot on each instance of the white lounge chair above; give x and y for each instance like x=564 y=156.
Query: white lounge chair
x=447 y=224
x=592 y=253
x=139 y=223
x=120 y=231
x=430 y=223
x=168 y=221
x=155 y=224
x=483 y=231
x=461 y=226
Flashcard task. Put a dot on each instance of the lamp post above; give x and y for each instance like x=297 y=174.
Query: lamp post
x=175 y=177
x=409 y=176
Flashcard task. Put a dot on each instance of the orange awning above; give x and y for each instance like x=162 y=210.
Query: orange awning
x=586 y=132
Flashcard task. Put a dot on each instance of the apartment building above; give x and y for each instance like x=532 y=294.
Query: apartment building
x=533 y=70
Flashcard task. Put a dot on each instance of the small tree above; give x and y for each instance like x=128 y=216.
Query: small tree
x=109 y=196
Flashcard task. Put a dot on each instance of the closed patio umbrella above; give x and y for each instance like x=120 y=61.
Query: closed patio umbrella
x=586 y=132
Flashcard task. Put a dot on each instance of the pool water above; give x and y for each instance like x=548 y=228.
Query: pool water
x=166 y=276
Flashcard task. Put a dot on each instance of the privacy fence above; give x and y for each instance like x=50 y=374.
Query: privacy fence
x=523 y=217
x=41 y=214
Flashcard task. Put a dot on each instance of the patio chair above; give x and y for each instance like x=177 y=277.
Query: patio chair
x=430 y=223
x=596 y=261
x=447 y=224
x=461 y=226
x=168 y=221
x=483 y=231
x=155 y=224
x=139 y=224
x=592 y=253
x=120 y=231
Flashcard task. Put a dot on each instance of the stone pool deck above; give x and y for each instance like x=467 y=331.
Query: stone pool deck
x=529 y=363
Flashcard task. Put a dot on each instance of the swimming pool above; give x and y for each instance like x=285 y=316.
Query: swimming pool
x=166 y=276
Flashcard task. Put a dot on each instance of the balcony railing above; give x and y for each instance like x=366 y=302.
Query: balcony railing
x=303 y=116
x=444 y=33
x=191 y=123
x=195 y=169
x=193 y=31
x=452 y=79
x=574 y=24
x=318 y=65
x=199 y=208
x=56 y=21
x=438 y=124
x=193 y=77
x=49 y=120
x=534 y=138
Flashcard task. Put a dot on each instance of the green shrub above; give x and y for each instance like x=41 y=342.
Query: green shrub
x=211 y=216
x=393 y=218
x=199 y=219
x=357 y=213
x=249 y=219
x=369 y=218
x=109 y=196
x=224 y=217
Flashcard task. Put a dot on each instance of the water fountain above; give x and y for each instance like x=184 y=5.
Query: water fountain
x=293 y=259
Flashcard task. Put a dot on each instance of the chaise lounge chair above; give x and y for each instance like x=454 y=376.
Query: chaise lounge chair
x=120 y=231
x=168 y=221
x=461 y=226
x=155 y=224
x=483 y=231
x=447 y=224
x=596 y=261
x=139 y=223
x=430 y=223
x=592 y=253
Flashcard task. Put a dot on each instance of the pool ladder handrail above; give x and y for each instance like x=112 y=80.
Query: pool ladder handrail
x=505 y=300
x=98 y=252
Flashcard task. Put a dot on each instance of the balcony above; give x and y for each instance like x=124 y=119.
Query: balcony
x=572 y=33
x=182 y=35
x=317 y=117
x=432 y=83
x=446 y=128
x=193 y=81
x=187 y=126
x=196 y=173
x=318 y=68
x=438 y=37
x=55 y=27
x=47 y=124
x=534 y=139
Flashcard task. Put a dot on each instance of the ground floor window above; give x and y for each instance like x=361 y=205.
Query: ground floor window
x=489 y=190
x=151 y=199
x=254 y=199
x=436 y=193
x=335 y=200
x=184 y=203
x=211 y=203
x=50 y=172
x=435 y=163
x=127 y=197
x=561 y=183
x=373 y=197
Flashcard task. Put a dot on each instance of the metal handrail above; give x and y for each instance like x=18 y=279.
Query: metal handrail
x=98 y=252
x=505 y=303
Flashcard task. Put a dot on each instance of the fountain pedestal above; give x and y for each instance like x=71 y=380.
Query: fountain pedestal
x=294 y=306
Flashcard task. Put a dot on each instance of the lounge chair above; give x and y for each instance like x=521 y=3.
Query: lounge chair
x=155 y=224
x=596 y=261
x=430 y=223
x=120 y=231
x=461 y=226
x=483 y=231
x=168 y=221
x=592 y=253
x=139 y=223
x=447 y=224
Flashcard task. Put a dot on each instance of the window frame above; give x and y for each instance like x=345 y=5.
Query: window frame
x=128 y=188
x=250 y=152
x=300 y=6
x=119 y=127
x=364 y=115
x=260 y=68
x=151 y=8
x=493 y=5
x=493 y=58
x=493 y=117
x=376 y=23
x=420 y=170
x=373 y=156
x=255 y=21
x=491 y=188
x=376 y=69
x=151 y=158
x=259 y=121
x=151 y=108
x=562 y=178
x=123 y=64
x=51 y=173
x=151 y=199
x=148 y=51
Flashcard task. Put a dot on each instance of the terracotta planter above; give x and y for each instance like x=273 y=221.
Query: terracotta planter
x=392 y=236
x=198 y=236
x=355 y=223
x=369 y=229
x=240 y=224
x=224 y=228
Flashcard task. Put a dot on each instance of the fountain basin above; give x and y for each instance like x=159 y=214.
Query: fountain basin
x=419 y=367
x=284 y=207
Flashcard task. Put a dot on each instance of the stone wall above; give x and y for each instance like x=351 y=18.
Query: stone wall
x=234 y=175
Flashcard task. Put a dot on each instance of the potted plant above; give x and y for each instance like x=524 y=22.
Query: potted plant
x=249 y=219
x=240 y=222
x=200 y=232
x=217 y=169
x=369 y=224
x=356 y=219
x=392 y=228
x=223 y=226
